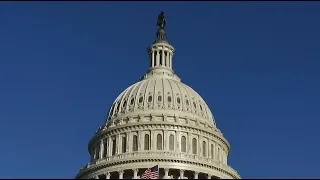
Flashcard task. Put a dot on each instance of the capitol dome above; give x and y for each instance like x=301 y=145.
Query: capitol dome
x=158 y=95
x=159 y=121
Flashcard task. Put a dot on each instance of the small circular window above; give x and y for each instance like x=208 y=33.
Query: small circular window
x=132 y=101
x=159 y=98
x=178 y=100
x=140 y=99
x=169 y=98
x=149 y=98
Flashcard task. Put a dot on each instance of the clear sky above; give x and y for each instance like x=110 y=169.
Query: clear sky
x=256 y=64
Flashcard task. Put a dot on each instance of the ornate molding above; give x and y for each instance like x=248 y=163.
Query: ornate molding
x=94 y=168
x=155 y=124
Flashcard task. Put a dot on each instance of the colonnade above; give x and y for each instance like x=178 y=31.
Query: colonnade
x=125 y=143
x=161 y=58
x=166 y=173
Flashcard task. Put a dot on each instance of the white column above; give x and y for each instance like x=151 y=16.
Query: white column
x=157 y=58
x=110 y=146
x=166 y=173
x=208 y=148
x=120 y=174
x=106 y=146
x=181 y=174
x=169 y=56
x=101 y=148
x=196 y=173
x=128 y=142
x=118 y=144
x=170 y=60
x=108 y=175
x=167 y=59
x=163 y=58
x=152 y=58
x=199 y=146
x=135 y=173
x=226 y=158
x=95 y=152
x=140 y=140
x=209 y=176
x=177 y=143
x=222 y=156
x=153 y=142
x=189 y=143
x=96 y=177
x=166 y=140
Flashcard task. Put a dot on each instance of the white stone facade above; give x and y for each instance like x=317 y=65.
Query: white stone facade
x=159 y=121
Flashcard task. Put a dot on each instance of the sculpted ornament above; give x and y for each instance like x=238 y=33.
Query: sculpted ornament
x=161 y=22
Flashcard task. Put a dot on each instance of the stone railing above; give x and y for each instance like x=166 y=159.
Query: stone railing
x=162 y=155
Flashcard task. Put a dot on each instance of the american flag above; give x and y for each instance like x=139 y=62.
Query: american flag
x=152 y=173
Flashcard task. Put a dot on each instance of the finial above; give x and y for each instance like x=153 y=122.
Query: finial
x=161 y=23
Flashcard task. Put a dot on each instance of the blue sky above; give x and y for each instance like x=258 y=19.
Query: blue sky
x=255 y=63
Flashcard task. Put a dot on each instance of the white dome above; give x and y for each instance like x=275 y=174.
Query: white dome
x=161 y=122
x=161 y=96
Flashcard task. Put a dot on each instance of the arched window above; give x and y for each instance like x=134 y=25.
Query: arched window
x=204 y=149
x=178 y=100
x=141 y=99
x=183 y=144
x=114 y=146
x=171 y=142
x=135 y=143
x=159 y=142
x=124 y=104
x=218 y=154
x=194 y=146
x=124 y=144
x=146 y=142
x=118 y=107
x=212 y=150
x=132 y=101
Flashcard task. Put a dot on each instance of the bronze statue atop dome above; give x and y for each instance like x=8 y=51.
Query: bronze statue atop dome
x=161 y=22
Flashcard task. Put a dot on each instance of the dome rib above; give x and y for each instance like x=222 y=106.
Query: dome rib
x=180 y=95
x=165 y=87
x=172 y=95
